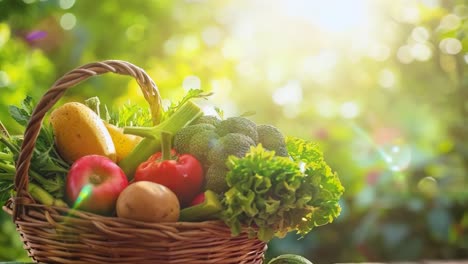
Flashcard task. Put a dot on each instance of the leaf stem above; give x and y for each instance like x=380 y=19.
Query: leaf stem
x=3 y=130
x=8 y=144
x=7 y=176
x=43 y=196
x=6 y=156
x=94 y=103
x=148 y=146
x=147 y=132
x=7 y=167
x=166 y=145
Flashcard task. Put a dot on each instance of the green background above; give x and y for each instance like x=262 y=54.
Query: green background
x=381 y=85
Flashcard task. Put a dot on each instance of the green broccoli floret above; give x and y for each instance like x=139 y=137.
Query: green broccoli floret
x=201 y=143
x=239 y=125
x=207 y=119
x=272 y=139
x=212 y=141
x=231 y=144
x=183 y=136
x=215 y=178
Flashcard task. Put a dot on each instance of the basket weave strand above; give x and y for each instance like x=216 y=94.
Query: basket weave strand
x=61 y=235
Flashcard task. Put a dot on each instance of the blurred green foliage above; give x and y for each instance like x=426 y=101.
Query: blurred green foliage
x=388 y=105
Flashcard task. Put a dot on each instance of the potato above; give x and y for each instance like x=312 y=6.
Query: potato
x=149 y=202
x=79 y=131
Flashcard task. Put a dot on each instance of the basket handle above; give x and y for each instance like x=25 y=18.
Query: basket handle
x=70 y=79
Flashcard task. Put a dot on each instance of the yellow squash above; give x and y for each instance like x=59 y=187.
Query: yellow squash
x=124 y=143
x=79 y=131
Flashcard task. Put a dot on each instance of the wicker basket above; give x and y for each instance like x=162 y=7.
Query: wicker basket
x=61 y=235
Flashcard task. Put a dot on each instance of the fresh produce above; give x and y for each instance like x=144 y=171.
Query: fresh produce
x=149 y=202
x=238 y=125
x=79 y=131
x=152 y=141
x=212 y=141
x=47 y=169
x=183 y=174
x=177 y=116
x=200 y=198
x=124 y=143
x=250 y=176
x=7 y=174
x=215 y=178
x=289 y=259
x=204 y=207
x=94 y=183
x=273 y=195
x=272 y=139
x=207 y=119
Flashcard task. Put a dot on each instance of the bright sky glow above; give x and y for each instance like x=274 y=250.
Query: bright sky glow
x=291 y=93
x=332 y=16
x=191 y=82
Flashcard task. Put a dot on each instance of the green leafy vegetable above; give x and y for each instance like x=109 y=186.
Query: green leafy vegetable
x=47 y=170
x=324 y=183
x=191 y=94
x=129 y=115
x=272 y=195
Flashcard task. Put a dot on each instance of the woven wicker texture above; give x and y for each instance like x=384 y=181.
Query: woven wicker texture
x=61 y=235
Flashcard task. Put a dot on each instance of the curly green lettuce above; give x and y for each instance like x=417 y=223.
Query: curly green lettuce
x=272 y=195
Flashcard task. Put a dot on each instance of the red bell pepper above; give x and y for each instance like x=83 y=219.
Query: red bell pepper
x=183 y=174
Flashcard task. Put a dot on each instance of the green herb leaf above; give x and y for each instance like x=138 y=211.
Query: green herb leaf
x=47 y=168
x=191 y=94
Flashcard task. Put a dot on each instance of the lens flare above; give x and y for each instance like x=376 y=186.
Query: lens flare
x=397 y=155
x=84 y=194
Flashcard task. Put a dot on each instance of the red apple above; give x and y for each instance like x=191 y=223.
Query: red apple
x=94 y=183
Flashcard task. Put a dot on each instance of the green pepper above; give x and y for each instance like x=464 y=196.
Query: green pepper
x=207 y=208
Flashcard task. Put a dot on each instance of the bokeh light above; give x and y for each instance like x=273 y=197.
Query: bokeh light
x=68 y=21
x=191 y=82
x=428 y=186
x=450 y=22
x=4 y=79
x=349 y=110
x=405 y=55
x=211 y=35
x=450 y=46
x=291 y=93
x=421 y=52
x=135 y=32
x=4 y=34
x=66 y=4
x=387 y=79
x=420 y=34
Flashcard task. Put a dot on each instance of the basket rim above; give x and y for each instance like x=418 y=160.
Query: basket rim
x=8 y=207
